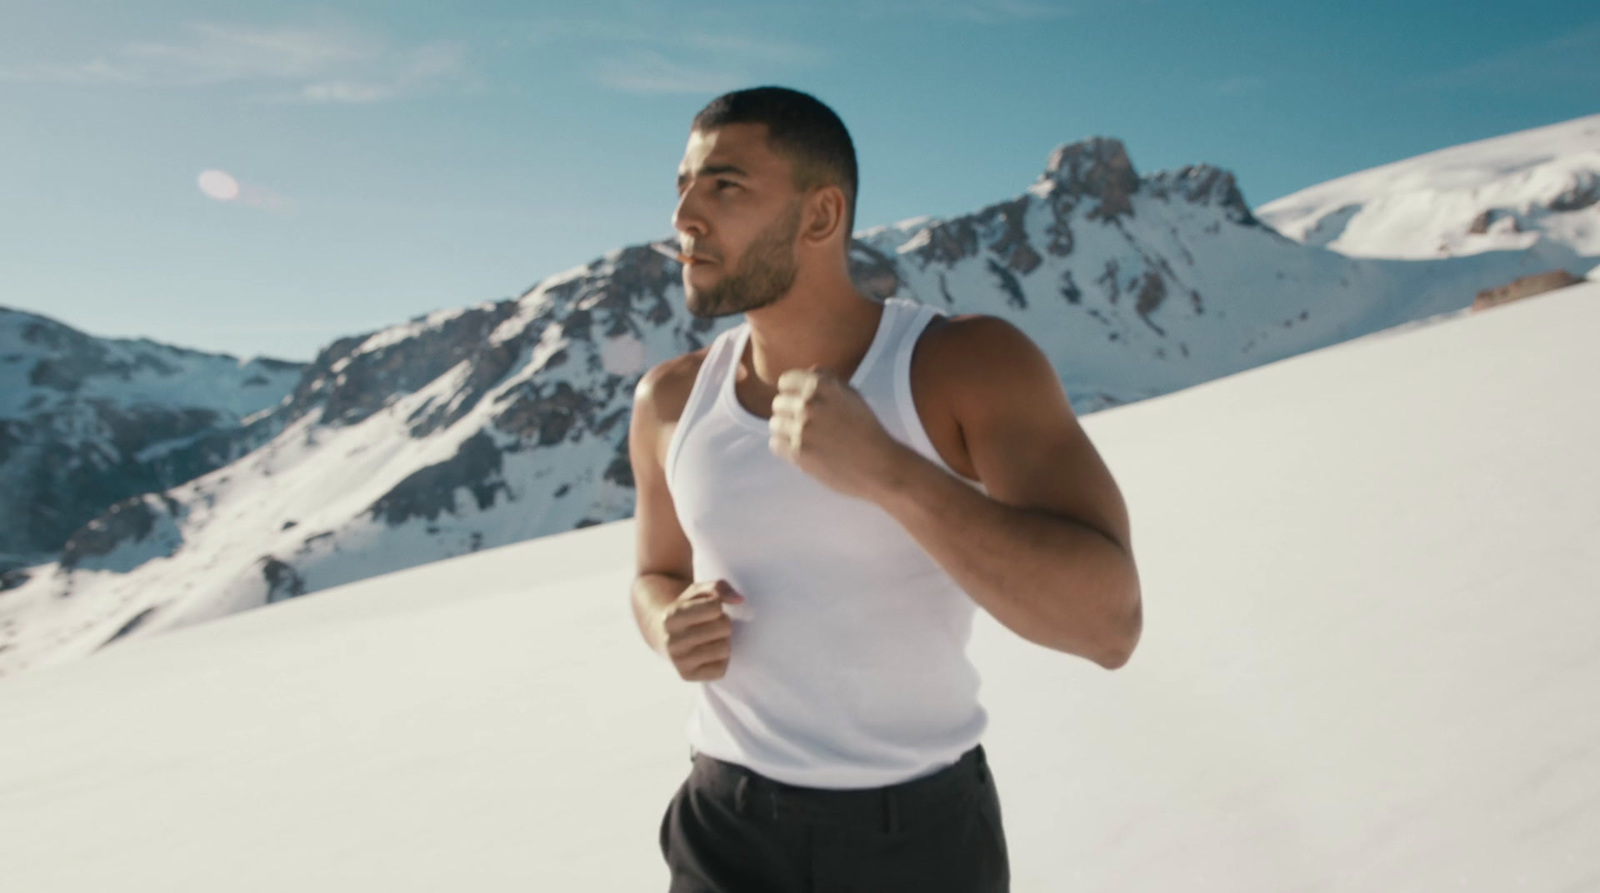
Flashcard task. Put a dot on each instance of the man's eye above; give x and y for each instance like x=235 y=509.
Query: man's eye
x=723 y=184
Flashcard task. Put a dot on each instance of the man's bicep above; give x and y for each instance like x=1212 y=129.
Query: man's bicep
x=661 y=546
x=1025 y=441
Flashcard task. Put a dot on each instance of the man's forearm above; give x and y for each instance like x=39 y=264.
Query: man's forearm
x=652 y=593
x=1051 y=580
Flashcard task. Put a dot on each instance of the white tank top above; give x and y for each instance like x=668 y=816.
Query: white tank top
x=849 y=666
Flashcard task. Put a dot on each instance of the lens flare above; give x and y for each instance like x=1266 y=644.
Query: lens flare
x=219 y=185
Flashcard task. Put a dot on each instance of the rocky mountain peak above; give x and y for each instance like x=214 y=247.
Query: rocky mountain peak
x=1099 y=167
x=1203 y=184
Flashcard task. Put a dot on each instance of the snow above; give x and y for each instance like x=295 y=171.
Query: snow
x=1424 y=207
x=126 y=374
x=1368 y=663
x=392 y=335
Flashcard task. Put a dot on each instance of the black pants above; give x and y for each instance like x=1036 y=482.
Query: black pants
x=731 y=830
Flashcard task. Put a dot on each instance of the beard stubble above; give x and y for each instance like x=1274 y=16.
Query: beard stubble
x=765 y=273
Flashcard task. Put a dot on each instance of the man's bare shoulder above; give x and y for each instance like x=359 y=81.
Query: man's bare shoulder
x=953 y=349
x=664 y=388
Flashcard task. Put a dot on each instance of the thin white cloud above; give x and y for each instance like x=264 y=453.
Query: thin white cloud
x=1566 y=61
x=647 y=71
x=343 y=91
x=1014 y=10
x=751 y=48
x=320 y=64
x=642 y=57
x=984 y=12
x=671 y=36
x=265 y=199
x=220 y=53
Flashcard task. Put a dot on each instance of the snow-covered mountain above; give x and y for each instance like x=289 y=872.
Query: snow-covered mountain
x=86 y=422
x=1368 y=665
x=1535 y=190
x=504 y=421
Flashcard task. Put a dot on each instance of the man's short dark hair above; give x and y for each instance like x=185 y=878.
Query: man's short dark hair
x=800 y=128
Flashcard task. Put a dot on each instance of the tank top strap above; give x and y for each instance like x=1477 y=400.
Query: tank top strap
x=703 y=393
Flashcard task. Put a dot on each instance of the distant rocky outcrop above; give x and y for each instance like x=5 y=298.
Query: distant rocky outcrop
x=1524 y=287
x=87 y=422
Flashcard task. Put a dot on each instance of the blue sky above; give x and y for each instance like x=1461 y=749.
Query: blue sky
x=396 y=158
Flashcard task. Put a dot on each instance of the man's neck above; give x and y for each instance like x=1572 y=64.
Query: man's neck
x=832 y=328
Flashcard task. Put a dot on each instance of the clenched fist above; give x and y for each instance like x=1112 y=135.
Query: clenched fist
x=824 y=426
x=695 y=633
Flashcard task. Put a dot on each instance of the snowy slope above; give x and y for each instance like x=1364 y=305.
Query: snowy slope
x=486 y=425
x=1368 y=663
x=87 y=421
x=1535 y=190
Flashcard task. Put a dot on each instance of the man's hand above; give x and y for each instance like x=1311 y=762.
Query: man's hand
x=695 y=633
x=823 y=426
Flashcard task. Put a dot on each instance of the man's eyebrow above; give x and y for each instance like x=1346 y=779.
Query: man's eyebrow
x=714 y=169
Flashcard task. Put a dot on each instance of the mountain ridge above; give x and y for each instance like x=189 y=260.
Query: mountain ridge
x=501 y=421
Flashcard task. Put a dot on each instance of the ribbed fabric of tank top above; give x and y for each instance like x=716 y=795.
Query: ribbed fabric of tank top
x=849 y=666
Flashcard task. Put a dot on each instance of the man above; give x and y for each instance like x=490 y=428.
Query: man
x=826 y=494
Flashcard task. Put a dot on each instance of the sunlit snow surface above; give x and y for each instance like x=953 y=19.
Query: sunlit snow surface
x=1534 y=188
x=1369 y=663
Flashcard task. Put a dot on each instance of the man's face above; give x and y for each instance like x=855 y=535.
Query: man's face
x=738 y=215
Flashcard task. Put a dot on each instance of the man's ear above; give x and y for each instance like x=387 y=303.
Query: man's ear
x=824 y=214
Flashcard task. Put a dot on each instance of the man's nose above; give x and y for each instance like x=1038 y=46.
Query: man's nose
x=685 y=219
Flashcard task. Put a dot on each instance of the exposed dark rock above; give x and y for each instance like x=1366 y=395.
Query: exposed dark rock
x=576 y=325
x=872 y=271
x=130 y=626
x=11 y=578
x=1584 y=191
x=1098 y=167
x=79 y=456
x=428 y=491
x=370 y=380
x=76 y=356
x=1008 y=284
x=620 y=469
x=544 y=414
x=129 y=520
x=948 y=241
x=611 y=420
x=1481 y=223
x=1004 y=226
x=1060 y=227
x=1109 y=283
x=1203 y=184
x=132 y=431
x=1069 y=288
x=640 y=284
x=1524 y=287
x=283 y=581
x=489 y=365
x=1152 y=291
x=306 y=544
x=272 y=365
